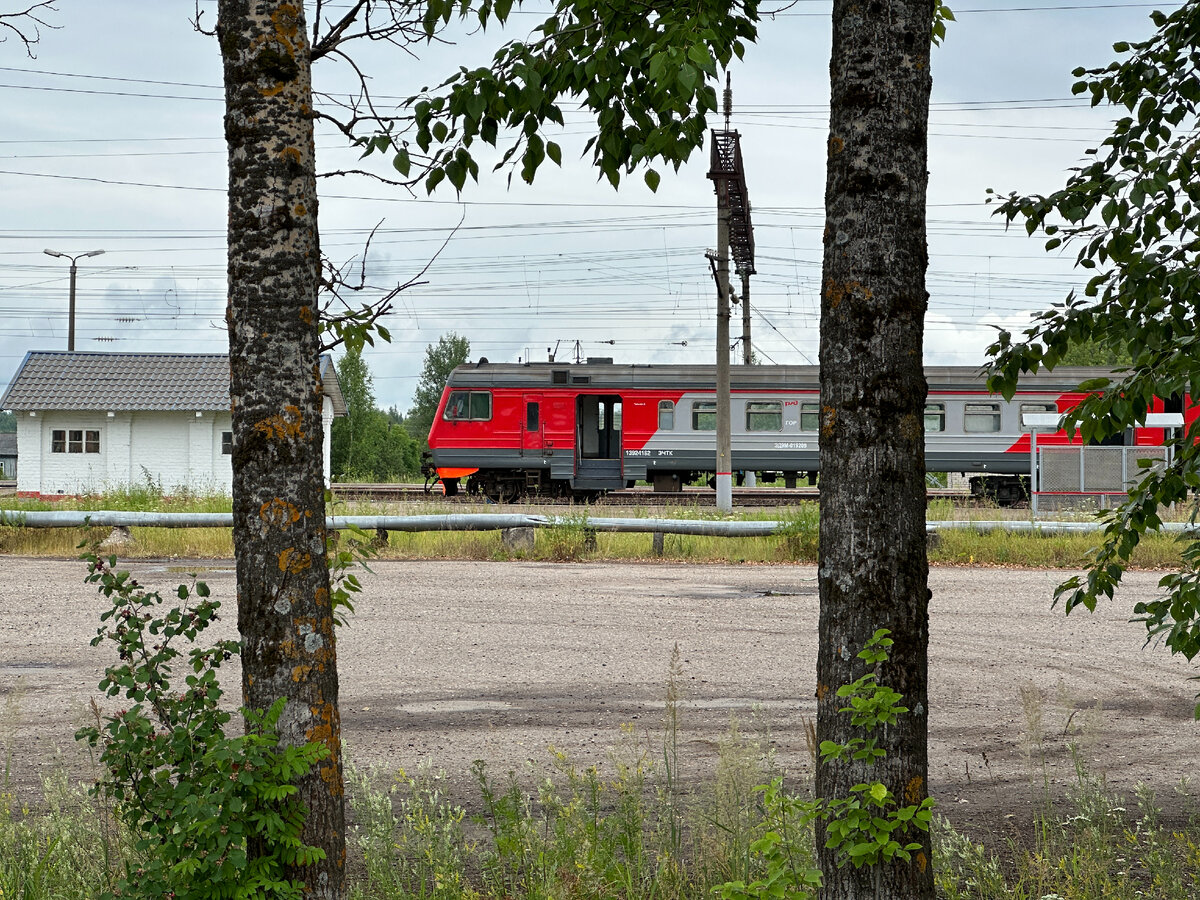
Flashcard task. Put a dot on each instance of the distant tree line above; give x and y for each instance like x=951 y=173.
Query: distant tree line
x=370 y=444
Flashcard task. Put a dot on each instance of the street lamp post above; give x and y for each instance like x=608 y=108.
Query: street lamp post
x=71 y=309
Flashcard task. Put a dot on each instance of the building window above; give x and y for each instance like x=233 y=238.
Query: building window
x=764 y=415
x=810 y=416
x=75 y=440
x=475 y=406
x=666 y=415
x=935 y=417
x=981 y=418
x=704 y=415
x=227 y=443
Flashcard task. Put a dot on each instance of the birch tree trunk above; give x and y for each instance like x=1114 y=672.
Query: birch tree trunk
x=284 y=612
x=873 y=567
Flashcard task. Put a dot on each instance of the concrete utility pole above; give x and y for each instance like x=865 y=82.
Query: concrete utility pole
x=734 y=233
x=747 y=350
x=71 y=306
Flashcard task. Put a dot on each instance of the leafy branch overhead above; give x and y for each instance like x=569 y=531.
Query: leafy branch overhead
x=1132 y=214
x=642 y=70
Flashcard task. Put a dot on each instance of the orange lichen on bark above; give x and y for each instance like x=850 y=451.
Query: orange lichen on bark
x=279 y=513
x=835 y=293
x=828 y=421
x=293 y=154
x=836 y=145
x=306 y=315
x=822 y=691
x=285 y=19
x=283 y=427
x=326 y=731
x=912 y=790
x=922 y=862
x=294 y=561
x=299 y=673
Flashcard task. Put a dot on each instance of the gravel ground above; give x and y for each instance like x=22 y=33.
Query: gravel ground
x=455 y=661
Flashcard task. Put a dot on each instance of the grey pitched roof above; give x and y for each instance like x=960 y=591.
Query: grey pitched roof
x=123 y=382
x=8 y=443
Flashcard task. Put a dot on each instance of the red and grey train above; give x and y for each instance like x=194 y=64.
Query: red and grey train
x=505 y=430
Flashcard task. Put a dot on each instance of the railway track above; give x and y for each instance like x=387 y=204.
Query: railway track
x=638 y=496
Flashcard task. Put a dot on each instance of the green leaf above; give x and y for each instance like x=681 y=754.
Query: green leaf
x=401 y=162
x=652 y=179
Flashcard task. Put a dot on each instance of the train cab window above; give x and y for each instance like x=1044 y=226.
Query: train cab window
x=810 y=416
x=764 y=415
x=666 y=415
x=981 y=418
x=704 y=415
x=1037 y=409
x=935 y=417
x=472 y=405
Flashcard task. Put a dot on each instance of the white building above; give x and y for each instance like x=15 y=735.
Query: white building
x=88 y=422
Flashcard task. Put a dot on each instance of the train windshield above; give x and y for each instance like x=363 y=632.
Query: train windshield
x=468 y=405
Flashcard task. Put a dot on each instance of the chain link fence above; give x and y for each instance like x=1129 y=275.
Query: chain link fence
x=1088 y=477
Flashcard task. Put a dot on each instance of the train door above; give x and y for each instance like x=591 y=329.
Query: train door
x=598 y=442
x=532 y=443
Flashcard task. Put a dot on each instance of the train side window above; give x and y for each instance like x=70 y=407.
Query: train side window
x=935 y=417
x=981 y=418
x=531 y=416
x=704 y=415
x=810 y=416
x=666 y=415
x=764 y=415
x=1037 y=409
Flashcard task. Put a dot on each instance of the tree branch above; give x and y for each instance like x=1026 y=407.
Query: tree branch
x=27 y=24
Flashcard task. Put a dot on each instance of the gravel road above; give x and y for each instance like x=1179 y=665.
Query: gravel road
x=456 y=661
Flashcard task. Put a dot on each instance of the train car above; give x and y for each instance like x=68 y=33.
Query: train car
x=506 y=430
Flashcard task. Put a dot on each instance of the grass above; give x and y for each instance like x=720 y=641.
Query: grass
x=625 y=828
x=572 y=540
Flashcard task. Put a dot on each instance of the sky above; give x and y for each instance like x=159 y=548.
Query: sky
x=111 y=139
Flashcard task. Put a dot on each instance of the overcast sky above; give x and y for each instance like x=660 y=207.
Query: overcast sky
x=111 y=139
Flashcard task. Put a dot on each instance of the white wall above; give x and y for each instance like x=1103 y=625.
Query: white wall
x=172 y=449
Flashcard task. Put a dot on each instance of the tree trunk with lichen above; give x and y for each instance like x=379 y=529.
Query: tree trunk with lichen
x=284 y=612
x=873 y=568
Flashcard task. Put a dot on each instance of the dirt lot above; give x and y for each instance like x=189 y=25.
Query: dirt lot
x=463 y=660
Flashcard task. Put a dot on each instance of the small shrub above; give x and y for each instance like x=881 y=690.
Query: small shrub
x=209 y=815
